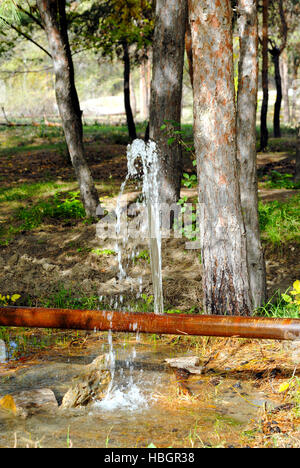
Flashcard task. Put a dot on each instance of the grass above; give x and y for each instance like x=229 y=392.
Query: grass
x=280 y=221
x=277 y=307
x=25 y=191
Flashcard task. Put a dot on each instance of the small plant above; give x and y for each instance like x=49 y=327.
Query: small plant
x=144 y=255
x=278 y=180
x=189 y=181
x=282 y=305
x=294 y=297
x=7 y=299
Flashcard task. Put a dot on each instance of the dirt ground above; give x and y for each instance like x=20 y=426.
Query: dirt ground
x=40 y=262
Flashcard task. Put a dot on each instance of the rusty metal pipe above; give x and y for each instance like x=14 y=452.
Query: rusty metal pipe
x=201 y=325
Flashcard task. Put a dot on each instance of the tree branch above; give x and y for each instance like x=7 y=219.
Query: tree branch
x=21 y=33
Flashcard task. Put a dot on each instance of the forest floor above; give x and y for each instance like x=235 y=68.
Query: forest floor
x=50 y=255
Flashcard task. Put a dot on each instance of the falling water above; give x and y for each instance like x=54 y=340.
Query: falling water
x=148 y=155
x=131 y=395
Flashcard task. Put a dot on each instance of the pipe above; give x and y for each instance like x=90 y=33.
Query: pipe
x=201 y=325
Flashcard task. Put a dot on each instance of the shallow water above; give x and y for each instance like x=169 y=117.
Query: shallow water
x=141 y=408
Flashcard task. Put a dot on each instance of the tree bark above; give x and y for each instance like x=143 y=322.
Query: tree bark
x=264 y=134
x=222 y=232
x=246 y=146
x=284 y=71
x=275 y=52
x=53 y=16
x=128 y=109
x=166 y=91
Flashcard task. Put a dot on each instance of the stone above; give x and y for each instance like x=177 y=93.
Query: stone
x=3 y=355
x=90 y=385
x=189 y=363
x=29 y=402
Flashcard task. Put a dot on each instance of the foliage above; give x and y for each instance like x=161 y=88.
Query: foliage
x=60 y=206
x=280 y=221
x=279 y=180
x=279 y=306
x=295 y=300
x=7 y=299
x=8 y=11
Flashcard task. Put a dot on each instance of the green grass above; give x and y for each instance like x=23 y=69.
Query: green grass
x=60 y=206
x=277 y=307
x=27 y=190
x=277 y=180
x=68 y=299
x=280 y=221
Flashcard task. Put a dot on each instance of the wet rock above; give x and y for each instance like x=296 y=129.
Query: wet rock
x=90 y=385
x=2 y=352
x=189 y=363
x=26 y=403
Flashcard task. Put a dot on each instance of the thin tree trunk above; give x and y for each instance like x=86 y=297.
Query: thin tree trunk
x=275 y=52
x=144 y=109
x=53 y=16
x=166 y=91
x=128 y=110
x=222 y=232
x=189 y=49
x=246 y=146
x=132 y=97
x=295 y=89
x=264 y=135
x=284 y=71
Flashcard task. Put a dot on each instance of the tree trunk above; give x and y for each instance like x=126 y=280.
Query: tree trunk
x=166 y=91
x=53 y=16
x=128 y=110
x=264 y=135
x=284 y=71
x=144 y=109
x=275 y=52
x=222 y=232
x=132 y=97
x=295 y=89
x=246 y=146
x=189 y=49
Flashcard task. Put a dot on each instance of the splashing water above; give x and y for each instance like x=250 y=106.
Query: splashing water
x=147 y=153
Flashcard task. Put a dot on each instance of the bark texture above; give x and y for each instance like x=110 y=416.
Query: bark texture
x=223 y=242
x=166 y=91
x=53 y=16
x=246 y=146
x=264 y=135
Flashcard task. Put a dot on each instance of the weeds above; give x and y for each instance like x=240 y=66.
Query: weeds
x=280 y=221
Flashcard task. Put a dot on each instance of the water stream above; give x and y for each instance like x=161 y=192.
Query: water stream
x=141 y=408
x=147 y=154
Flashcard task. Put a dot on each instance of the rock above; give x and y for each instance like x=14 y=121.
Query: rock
x=3 y=355
x=29 y=402
x=90 y=385
x=190 y=364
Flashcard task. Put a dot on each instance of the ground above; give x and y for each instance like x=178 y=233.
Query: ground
x=50 y=255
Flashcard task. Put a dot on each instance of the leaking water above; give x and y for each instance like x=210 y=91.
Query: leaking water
x=148 y=155
x=141 y=407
